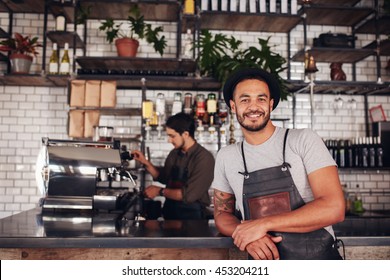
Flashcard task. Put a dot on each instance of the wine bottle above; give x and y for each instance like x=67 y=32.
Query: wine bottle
x=53 y=62
x=379 y=152
x=341 y=153
x=65 y=61
x=60 y=22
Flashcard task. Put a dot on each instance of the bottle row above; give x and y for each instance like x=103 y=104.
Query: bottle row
x=252 y=6
x=57 y=66
x=357 y=152
x=205 y=110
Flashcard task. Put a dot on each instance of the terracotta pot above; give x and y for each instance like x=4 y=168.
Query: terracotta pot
x=20 y=63
x=126 y=47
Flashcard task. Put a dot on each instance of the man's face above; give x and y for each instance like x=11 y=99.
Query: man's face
x=175 y=138
x=252 y=104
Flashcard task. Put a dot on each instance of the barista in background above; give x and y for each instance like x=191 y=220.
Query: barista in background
x=187 y=172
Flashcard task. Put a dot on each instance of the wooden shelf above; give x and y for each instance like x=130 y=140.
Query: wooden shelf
x=248 y=21
x=25 y=6
x=343 y=55
x=158 y=82
x=384 y=47
x=342 y=3
x=34 y=80
x=112 y=111
x=156 y=65
x=370 y=27
x=342 y=87
x=335 y=15
x=3 y=34
x=167 y=10
x=62 y=37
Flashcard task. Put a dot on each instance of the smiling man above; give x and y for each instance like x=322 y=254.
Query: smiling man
x=187 y=172
x=284 y=183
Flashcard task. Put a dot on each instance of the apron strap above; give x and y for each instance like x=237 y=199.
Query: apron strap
x=245 y=173
x=285 y=164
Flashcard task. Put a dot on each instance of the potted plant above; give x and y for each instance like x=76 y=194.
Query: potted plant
x=22 y=49
x=127 y=42
x=219 y=55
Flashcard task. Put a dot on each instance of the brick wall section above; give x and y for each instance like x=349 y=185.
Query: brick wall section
x=29 y=113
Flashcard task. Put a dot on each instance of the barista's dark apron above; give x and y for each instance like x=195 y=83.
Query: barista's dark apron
x=179 y=210
x=272 y=191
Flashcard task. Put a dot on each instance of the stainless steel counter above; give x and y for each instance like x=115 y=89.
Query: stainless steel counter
x=32 y=229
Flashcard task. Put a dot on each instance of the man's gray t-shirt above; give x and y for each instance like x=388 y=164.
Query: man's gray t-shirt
x=305 y=152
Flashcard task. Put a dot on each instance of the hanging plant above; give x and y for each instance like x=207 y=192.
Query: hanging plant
x=220 y=55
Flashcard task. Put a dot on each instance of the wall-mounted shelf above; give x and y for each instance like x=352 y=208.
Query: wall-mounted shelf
x=137 y=64
x=112 y=111
x=167 y=10
x=62 y=37
x=25 y=6
x=158 y=82
x=342 y=87
x=35 y=80
x=343 y=55
x=335 y=15
x=3 y=34
x=341 y=3
x=369 y=27
x=384 y=47
x=248 y=21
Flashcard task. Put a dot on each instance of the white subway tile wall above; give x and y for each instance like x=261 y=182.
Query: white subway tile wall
x=29 y=113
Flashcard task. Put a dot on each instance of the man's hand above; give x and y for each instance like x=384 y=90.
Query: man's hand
x=247 y=232
x=264 y=248
x=139 y=156
x=152 y=191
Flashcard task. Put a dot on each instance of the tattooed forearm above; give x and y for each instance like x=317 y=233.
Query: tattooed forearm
x=223 y=202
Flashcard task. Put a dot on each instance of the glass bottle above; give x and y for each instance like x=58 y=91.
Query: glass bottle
x=189 y=7
x=358 y=202
x=147 y=109
x=160 y=104
x=222 y=111
x=60 y=22
x=177 y=106
x=379 y=152
x=65 y=61
x=188 y=45
x=53 y=61
x=371 y=152
x=188 y=103
x=200 y=106
x=211 y=107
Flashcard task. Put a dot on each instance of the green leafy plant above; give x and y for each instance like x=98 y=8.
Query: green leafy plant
x=20 y=44
x=138 y=30
x=219 y=55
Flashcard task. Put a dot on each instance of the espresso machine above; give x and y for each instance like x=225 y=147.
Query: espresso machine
x=87 y=176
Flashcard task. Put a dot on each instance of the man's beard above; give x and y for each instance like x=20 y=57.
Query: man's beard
x=253 y=127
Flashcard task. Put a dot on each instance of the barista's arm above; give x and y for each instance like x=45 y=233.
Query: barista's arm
x=153 y=191
x=139 y=156
x=224 y=204
x=327 y=208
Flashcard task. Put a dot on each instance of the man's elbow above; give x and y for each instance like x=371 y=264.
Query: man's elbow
x=339 y=212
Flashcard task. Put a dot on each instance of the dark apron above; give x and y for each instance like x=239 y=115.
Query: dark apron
x=179 y=210
x=272 y=191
